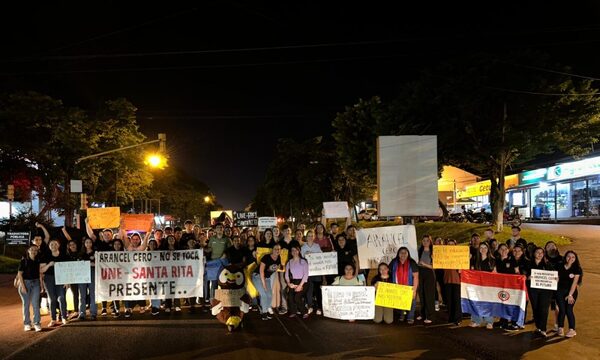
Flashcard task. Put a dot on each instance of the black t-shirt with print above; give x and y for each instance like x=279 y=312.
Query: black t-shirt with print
x=271 y=265
x=48 y=258
x=565 y=276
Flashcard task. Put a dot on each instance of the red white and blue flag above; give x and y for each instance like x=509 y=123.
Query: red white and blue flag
x=491 y=294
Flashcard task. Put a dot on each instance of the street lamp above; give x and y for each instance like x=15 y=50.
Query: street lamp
x=207 y=199
x=156 y=160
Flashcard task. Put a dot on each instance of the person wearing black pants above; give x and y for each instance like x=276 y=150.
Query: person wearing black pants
x=452 y=292
x=570 y=275
x=426 y=280
x=296 y=277
x=539 y=298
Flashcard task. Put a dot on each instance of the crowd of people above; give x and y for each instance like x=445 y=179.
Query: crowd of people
x=286 y=288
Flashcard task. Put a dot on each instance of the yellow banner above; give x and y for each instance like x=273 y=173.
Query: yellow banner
x=262 y=251
x=393 y=296
x=104 y=218
x=450 y=257
x=284 y=254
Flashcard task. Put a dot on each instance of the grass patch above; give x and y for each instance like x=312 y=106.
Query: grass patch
x=461 y=232
x=8 y=265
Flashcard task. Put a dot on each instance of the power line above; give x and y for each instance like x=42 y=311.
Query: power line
x=552 y=71
x=540 y=93
x=214 y=66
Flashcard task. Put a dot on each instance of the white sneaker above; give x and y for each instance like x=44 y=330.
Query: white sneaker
x=474 y=324
x=64 y=321
x=37 y=327
x=310 y=310
x=489 y=326
x=270 y=311
x=52 y=323
x=177 y=309
x=570 y=333
x=167 y=310
x=319 y=312
x=27 y=328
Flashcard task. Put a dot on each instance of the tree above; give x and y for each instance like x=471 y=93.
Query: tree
x=42 y=140
x=491 y=113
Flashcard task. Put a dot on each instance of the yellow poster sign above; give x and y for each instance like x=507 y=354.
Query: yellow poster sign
x=250 y=288
x=450 y=257
x=262 y=251
x=104 y=218
x=394 y=296
x=483 y=188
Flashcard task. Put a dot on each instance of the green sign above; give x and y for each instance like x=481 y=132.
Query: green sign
x=533 y=176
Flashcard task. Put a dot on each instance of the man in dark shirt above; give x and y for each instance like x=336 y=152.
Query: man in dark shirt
x=188 y=234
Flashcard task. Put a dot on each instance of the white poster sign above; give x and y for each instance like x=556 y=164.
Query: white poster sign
x=266 y=223
x=72 y=272
x=336 y=209
x=349 y=302
x=146 y=275
x=544 y=279
x=322 y=263
x=381 y=244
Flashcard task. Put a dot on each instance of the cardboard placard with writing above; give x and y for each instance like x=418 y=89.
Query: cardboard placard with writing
x=230 y=297
x=322 y=263
x=394 y=296
x=138 y=222
x=544 y=279
x=72 y=272
x=450 y=257
x=104 y=218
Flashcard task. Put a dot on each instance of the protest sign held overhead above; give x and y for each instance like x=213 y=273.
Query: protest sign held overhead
x=266 y=223
x=336 y=209
x=245 y=218
x=104 y=218
x=223 y=217
x=72 y=272
x=322 y=263
x=349 y=302
x=145 y=275
x=450 y=257
x=138 y=222
x=378 y=245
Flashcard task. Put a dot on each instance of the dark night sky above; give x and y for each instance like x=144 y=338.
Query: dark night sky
x=226 y=79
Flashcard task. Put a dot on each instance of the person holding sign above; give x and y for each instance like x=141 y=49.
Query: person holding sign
x=56 y=293
x=314 y=282
x=540 y=298
x=28 y=284
x=262 y=280
x=405 y=271
x=87 y=254
x=452 y=289
x=570 y=275
x=346 y=255
x=382 y=313
x=484 y=261
x=348 y=279
x=296 y=277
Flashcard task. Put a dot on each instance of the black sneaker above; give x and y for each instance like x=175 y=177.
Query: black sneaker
x=155 y=311
x=128 y=313
x=511 y=327
x=282 y=311
x=265 y=316
x=269 y=317
x=103 y=313
x=116 y=314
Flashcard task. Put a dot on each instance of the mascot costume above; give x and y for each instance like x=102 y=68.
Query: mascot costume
x=231 y=301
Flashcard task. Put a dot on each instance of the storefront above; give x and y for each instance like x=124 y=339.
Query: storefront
x=569 y=190
x=480 y=191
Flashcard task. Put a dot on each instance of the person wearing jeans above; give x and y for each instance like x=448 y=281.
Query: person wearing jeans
x=56 y=293
x=29 y=287
x=262 y=280
x=87 y=254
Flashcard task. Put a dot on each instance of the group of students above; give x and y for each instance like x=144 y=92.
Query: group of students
x=517 y=256
x=288 y=288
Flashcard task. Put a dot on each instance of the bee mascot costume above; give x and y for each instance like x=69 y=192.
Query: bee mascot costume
x=231 y=301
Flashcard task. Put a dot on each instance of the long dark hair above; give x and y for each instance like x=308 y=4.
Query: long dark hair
x=576 y=265
x=264 y=238
x=489 y=259
x=398 y=254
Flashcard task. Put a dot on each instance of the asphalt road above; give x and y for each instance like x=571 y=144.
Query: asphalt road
x=188 y=336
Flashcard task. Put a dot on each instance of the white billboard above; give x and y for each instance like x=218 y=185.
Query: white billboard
x=407 y=174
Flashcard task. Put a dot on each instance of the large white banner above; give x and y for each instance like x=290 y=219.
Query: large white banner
x=72 y=272
x=381 y=244
x=407 y=175
x=145 y=275
x=349 y=302
x=322 y=263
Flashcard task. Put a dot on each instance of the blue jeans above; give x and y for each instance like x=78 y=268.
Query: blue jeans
x=155 y=303
x=411 y=313
x=480 y=319
x=56 y=296
x=32 y=297
x=266 y=295
x=83 y=289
